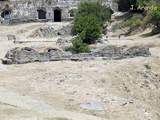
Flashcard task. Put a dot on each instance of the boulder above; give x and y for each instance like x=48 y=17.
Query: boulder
x=136 y=51
x=28 y=55
x=22 y=55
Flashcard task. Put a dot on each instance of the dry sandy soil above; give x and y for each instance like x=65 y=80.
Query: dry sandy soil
x=127 y=89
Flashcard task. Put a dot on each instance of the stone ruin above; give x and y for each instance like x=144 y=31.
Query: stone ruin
x=48 y=10
x=29 y=55
x=40 y=10
x=56 y=11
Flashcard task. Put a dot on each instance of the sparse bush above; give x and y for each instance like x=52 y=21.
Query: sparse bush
x=78 y=46
x=146 y=2
x=89 y=27
x=88 y=24
x=134 y=21
x=155 y=16
x=150 y=17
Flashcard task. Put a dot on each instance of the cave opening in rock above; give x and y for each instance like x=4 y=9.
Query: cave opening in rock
x=124 y=5
x=57 y=15
x=5 y=13
x=41 y=14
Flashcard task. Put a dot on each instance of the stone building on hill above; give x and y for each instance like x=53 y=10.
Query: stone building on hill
x=40 y=10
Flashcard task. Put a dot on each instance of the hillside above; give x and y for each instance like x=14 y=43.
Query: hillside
x=101 y=65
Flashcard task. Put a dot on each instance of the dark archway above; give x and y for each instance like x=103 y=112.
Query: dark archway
x=5 y=13
x=41 y=14
x=57 y=15
x=124 y=5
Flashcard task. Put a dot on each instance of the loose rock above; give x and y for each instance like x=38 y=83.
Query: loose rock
x=44 y=32
x=66 y=30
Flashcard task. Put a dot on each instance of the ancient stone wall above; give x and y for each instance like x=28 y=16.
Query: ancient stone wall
x=37 y=10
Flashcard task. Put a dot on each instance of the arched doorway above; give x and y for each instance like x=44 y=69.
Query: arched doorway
x=41 y=14
x=124 y=5
x=57 y=15
x=5 y=13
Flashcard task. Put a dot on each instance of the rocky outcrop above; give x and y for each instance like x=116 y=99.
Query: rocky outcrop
x=44 y=32
x=28 y=55
x=114 y=52
x=66 y=30
x=64 y=43
x=48 y=31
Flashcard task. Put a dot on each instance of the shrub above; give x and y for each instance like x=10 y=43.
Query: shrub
x=81 y=22
x=143 y=2
x=155 y=16
x=79 y=46
x=89 y=19
x=134 y=21
x=100 y=11
x=92 y=32
x=88 y=24
x=89 y=27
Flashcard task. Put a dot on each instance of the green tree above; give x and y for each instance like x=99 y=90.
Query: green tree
x=95 y=8
x=88 y=24
x=89 y=27
x=78 y=46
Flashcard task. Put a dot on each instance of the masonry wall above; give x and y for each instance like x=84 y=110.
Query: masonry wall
x=27 y=10
x=24 y=11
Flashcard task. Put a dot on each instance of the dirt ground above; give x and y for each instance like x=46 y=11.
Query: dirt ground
x=127 y=89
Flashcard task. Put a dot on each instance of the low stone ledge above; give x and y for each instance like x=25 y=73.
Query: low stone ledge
x=29 y=55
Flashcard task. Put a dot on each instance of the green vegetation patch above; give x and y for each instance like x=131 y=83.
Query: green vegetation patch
x=88 y=24
x=149 y=17
x=134 y=21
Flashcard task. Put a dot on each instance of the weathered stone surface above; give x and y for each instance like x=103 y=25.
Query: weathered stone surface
x=22 y=55
x=136 y=51
x=64 y=43
x=44 y=32
x=122 y=52
x=11 y=37
x=27 y=10
x=26 y=55
x=66 y=30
